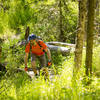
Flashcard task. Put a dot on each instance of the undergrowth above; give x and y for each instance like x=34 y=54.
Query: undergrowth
x=63 y=86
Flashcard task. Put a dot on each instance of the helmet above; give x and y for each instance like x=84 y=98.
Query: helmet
x=32 y=37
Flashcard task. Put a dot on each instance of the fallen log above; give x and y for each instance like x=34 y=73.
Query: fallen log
x=59 y=49
x=61 y=44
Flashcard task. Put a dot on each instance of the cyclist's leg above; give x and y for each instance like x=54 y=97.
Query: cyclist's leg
x=33 y=63
x=43 y=65
x=42 y=60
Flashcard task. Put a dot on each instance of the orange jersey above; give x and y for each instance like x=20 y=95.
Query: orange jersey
x=37 y=49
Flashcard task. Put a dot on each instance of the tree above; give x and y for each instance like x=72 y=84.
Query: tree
x=61 y=36
x=80 y=33
x=67 y=21
x=97 y=18
x=90 y=30
x=27 y=32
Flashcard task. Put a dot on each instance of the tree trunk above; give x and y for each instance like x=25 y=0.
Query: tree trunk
x=27 y=32
x=80 y=34
x=97 y=18
x=61 y=35
x=0 y=52
x=0 y=47
x=90 y=30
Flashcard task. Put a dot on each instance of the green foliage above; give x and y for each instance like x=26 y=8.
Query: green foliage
x=43 y=19
x=96 y=62
x=20 y=14
x=70 y=12
x=13 y=54
x=57 y=58
x=1 y=28
x=3 y=21
x=61 y=87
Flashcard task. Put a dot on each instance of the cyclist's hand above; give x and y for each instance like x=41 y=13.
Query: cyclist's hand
x=49 y=63
x=26 y=69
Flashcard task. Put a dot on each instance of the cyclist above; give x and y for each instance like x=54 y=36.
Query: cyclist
x=37 y=48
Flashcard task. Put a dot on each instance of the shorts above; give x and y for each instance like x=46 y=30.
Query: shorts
x=42 y=59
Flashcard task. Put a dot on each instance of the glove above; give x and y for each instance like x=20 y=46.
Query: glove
x=26 y=69
x=49 y=63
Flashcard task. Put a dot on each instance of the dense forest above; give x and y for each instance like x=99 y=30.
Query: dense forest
x=71 y=31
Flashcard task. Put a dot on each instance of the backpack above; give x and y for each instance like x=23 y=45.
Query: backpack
x=31 y=37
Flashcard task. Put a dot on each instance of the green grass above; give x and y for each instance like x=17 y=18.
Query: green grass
x=17 y=86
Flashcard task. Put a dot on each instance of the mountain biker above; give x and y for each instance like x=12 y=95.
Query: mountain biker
x=37 y=48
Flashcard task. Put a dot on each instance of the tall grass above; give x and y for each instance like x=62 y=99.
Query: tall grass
x=62 y=87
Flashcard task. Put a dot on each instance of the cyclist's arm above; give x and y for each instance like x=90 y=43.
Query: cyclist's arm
x=27 y=50
x=26 y=59
x=48 y=53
